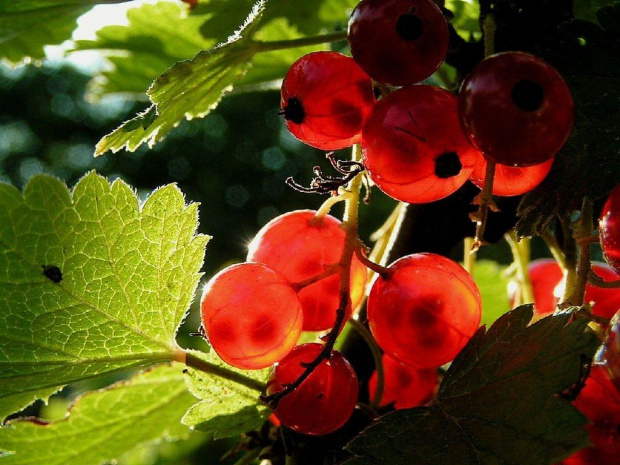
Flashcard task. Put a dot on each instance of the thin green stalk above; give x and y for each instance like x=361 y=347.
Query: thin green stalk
x=488 y=29
x=554 y=248
x=469 y=254
x=521 y=254
x=269 y=46
x=194 y=362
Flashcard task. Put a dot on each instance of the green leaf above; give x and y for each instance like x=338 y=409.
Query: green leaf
x=497 y=403
x=189 y=89
x=27 y=25
x=120 y=278
x=588 y=56
x=103 y=425
x=466 y=18
x=157 y=36
x=493 y=286
x=226 y=408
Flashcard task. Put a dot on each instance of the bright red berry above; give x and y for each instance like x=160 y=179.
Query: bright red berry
x=605 y=449
x=511 y=180
x=599 y=391
x=252 y=315
x=326 y=97
x=301 y=246
x=612 y=350
x=404 y=386
x=545 y=275
x=424 y=310
x=516 y=109
x=605 y=301
x=324 y=401
x=413 y=145
x=609 y=227
x=398 y=42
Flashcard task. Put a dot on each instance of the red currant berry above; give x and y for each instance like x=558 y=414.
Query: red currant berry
x=326 y=97
x=516 y=109
x=545 y=275
x=511 y=180
x=301 y=246
x=609 y=227
x=605 y=302
x=398 y=42
x=413 y=145
x=599 y=391
x=252 y=315
x=324 y=401
x=424 y=310
x=605 y=448
x=612 y=350
x=403 y=385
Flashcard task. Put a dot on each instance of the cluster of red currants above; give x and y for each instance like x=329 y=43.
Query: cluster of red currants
x=421 y=143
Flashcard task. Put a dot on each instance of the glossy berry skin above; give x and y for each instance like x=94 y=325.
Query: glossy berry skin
x=404 y=386
x=300 y=247
x=511 y=180
x=605 y=302
x=326 y=97
x=609 y=227
x=413 y=145
x=545 y=275
x=516 y=109
x=599 y=391
x=398 y=42
x=424 y=310
x=324 y=401
x=251 y=315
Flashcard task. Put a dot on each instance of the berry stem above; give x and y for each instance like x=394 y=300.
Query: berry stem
x=380 y=270
x=577 y=290
x=521 y=255
x=485 y=202
x=332 y=269
x=376 y=356
x=595 y=280
x=197 y=363
x=488 y=29
x=469 y=254
x=554 y=248
x=268 y=46
x=326 y=206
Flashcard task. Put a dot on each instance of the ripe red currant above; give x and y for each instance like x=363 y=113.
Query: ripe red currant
x=599 y=391
x=511 y=180
x=605 y=302
x=516 y=109
x=301 y=246
x=251 y=314
x=609 y=227
x=413 y=145
x=424 y=310
x=324 y=401
x=404 y=386
x=545 y=274
x=605 y=448
x=398 y=42
x=326 y=97
x=612 y=350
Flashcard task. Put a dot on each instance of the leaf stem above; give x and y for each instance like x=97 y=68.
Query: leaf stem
x=197 y=363
x=268 y=46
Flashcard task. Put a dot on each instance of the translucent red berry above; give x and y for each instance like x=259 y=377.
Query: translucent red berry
x=599 y=391
x=516 y=109
x=404 y=386
x=424 y=310
x=324 y=401
x=605 y=448
x=511 y=180
x=605 y=301
x=252 y=315
x=398 y=42
x=301 y=246
x=612 y=350
x=326 y=97
x=609 y=226
x=545 y=275
x=413 y=145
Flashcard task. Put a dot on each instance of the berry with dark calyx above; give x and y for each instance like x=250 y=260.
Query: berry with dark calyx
x=300 y=246
x=404 y=386
x=324 y=401
x=413 y=145
x=398 y=42
x=424 y=309
x=511 y=180
x=251 y=315
x=516 y=109
x=609 y=227
x=326 y=97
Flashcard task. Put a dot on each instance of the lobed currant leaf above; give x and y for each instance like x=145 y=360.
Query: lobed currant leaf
x=588 y=56
x=226 y=408
x=102 y=425
x=497 y=403
x=91 y=282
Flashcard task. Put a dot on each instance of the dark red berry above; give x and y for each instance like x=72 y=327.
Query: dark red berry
x=424 y=310
x=398 y=42
x=251 y=315
x=516 y=109
x=404 y=386
x=326 y=97
x=605 y=301
x=301 y=246
x=413 y=145
x=609 y=227
x=604 y=449
x=511 y=180
x=324 y=401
